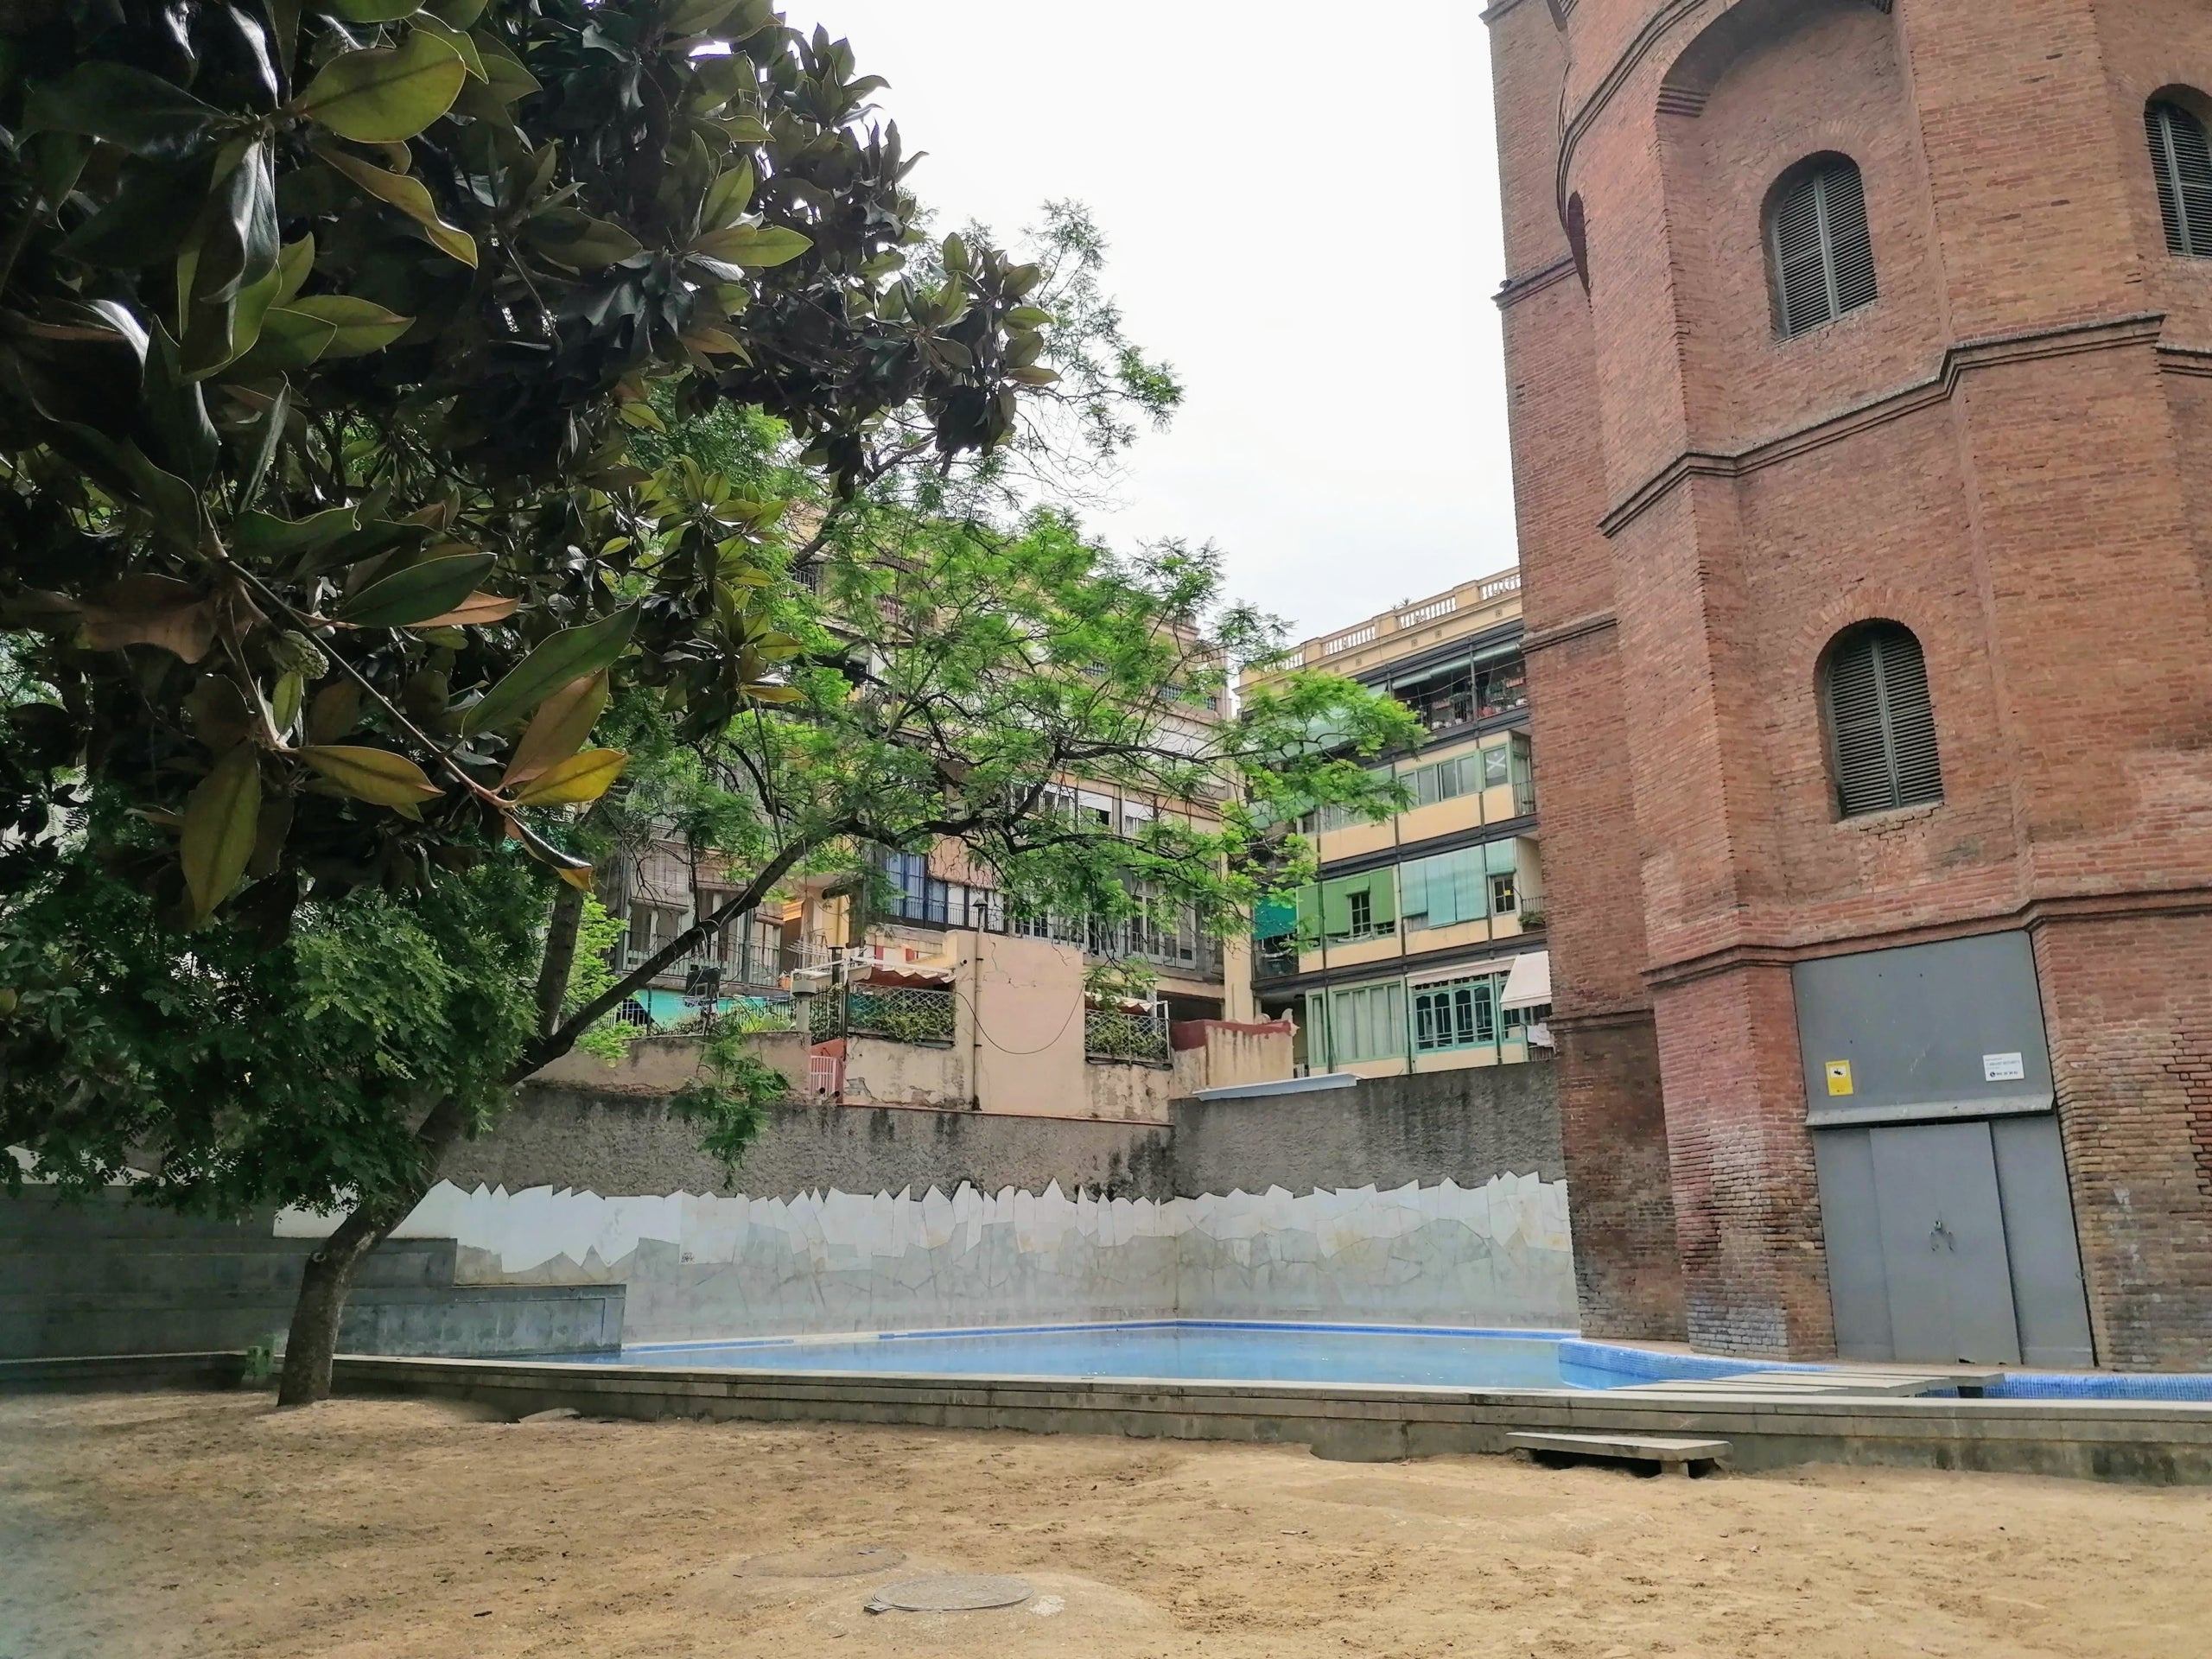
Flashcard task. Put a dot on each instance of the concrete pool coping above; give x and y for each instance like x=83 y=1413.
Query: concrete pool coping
x=2154 y=1442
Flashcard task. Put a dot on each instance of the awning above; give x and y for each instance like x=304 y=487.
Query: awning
x=1529 y=984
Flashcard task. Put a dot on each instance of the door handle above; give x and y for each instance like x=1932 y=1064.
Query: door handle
x=1939 y=1238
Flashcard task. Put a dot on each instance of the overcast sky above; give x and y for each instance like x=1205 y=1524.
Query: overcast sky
x=1301 y=204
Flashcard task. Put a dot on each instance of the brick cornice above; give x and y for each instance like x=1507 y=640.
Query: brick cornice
x=2035 y=914
x=1514 y=290
x=1573 y=628
x=2185 y=360
x=2109 y=334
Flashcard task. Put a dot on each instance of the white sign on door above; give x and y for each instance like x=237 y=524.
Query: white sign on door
x=2003 y=1068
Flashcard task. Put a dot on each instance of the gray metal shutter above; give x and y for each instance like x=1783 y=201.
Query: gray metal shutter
x=1823 y=256
x=2181 y=156
x=1851 y=249
x=1800 y=271
x=1882 y=722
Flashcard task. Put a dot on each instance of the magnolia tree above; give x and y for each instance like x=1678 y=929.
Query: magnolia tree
x=361 y=369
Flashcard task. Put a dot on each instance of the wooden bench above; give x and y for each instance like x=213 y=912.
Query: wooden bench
x=1686 y=1456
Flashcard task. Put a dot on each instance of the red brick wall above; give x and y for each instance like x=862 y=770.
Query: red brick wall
x=2011 y=453
x=2129 y=1006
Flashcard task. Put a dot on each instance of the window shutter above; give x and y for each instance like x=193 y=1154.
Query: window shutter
x=2181 y=156
x=1882 y=722
x=1851 y=248
x=1823 y=254
x=1801 y=276
x=1911 y=717
x=1382 y=896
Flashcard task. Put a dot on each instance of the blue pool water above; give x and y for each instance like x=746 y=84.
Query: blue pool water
x=1225 y=1350
x=1190 y=1350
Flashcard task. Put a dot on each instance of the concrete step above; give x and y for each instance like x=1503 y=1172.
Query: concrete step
x=1688 y=1457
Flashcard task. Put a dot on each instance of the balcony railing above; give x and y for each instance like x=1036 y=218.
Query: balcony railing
x=898 y=1013
x=1467 y=596
x=1127 y=1036
x=757 y=962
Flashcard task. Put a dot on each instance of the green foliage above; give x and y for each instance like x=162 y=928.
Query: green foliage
x=591 y=973
x=730 y=1097
x=327 y=342
x=236 y=1076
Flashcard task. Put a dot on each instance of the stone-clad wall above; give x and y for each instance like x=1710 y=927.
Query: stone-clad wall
x=1433 y=1199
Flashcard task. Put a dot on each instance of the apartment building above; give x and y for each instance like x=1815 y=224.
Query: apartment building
x=1421 y=947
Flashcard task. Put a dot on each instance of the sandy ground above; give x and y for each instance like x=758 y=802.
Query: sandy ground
x=133 y=1526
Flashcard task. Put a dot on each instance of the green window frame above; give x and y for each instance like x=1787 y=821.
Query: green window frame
x=1455 y=1014
x=1367 y=1022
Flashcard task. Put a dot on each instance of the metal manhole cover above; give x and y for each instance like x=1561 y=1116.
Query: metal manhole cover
x=841 y=1561
x=951 y=1592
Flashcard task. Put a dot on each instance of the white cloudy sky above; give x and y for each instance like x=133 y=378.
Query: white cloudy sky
x=1302 y=206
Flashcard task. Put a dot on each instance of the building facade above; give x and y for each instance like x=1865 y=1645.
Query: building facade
x=1860 y=377
x=1400 y=958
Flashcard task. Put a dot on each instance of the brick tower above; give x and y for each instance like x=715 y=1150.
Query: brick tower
x=1861 y=364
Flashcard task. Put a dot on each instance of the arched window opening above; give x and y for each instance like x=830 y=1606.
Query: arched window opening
x=1818 y=244
x=2181 y=156
x=1881 y=720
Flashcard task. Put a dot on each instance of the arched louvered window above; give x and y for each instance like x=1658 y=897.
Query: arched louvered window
x=1881 y=722
x=1817 y=243
x=2182 y=158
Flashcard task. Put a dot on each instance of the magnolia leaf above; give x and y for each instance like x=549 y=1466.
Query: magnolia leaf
x=272 y=439
x=753 y=247
x=506 y=77
x=580 y=880
x=151 y=611
x=293 y=266
x=289 y=341
x=475 y=612
x=360 y=327
x=461 y=14
x=569 y=655
x=456 y=41
x=130 y=108
x=728 y=197
x=284 y=700
x=369 y=11
x=560 y=727
x=1032 y=376
x=377 y=776
x=713 y=342
x=767 y=691
x=1027 y=316
x=382 y=94
x=334 y=712
x=579 y=241
x=417 y=593
x=408 y=195
x=220 y=822
x=268 y=537
x=572 y=782
x=696 y=17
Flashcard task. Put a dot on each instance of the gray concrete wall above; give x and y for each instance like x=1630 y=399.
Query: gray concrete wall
x=613 y=1141
x=1464 y=1127
x=110 y=1277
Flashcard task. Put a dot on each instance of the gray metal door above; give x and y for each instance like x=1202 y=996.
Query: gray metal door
x=1950 y=1287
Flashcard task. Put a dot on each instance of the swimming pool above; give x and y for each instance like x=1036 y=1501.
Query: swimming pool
x=1182 y=1350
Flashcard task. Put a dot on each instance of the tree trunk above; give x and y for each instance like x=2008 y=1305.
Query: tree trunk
x=313 y=1341
x=553 y=970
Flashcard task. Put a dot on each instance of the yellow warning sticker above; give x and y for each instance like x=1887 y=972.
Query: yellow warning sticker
x=1839 y=1077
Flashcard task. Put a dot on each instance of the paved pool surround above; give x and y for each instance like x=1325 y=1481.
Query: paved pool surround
x=2152 y=1442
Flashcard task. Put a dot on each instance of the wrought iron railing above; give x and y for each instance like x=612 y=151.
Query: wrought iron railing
x=898 y=1013
x=1129 y=1036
